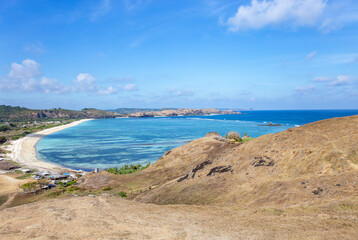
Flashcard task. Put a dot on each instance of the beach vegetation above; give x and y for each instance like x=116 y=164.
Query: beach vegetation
x=122 y=194
x=126 y=169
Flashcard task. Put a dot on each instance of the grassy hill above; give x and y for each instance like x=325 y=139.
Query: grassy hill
x=297 y=184
x=20 y=114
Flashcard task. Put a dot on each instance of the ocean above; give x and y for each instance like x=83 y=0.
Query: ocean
x=106 y=143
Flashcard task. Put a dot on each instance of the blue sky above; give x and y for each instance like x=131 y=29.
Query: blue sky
x=273 y=54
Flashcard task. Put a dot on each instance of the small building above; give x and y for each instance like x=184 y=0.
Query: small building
x=58 y=176
x=26 y=170
x=96 y=170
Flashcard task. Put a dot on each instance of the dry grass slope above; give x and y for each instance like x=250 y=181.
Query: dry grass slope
x=298 y=184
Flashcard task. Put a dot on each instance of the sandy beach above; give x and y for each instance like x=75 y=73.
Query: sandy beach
x=23 y=150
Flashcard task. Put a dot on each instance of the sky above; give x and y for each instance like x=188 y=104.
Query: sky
x=260 y=54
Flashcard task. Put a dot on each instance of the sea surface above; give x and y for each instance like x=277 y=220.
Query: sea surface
x=106 y=143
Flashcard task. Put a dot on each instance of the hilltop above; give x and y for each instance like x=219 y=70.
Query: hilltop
x=297 y=184
x=19 y=114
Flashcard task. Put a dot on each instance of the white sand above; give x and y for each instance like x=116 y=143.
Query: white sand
x=23 y=150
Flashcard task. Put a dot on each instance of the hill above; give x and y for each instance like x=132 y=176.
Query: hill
x=19 y=114
x=297 y=184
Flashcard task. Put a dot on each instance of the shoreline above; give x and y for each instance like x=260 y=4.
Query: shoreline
x=23 y=151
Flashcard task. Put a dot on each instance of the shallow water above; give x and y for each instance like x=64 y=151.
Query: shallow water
x=105 y=143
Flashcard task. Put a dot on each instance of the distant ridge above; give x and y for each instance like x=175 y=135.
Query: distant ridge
x=9 y=113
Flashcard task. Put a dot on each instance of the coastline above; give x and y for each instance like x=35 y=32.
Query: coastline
x=23 y=150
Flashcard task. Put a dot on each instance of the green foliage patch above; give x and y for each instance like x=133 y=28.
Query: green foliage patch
x=127 y=169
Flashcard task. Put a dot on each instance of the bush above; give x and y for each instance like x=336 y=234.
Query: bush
x=233 y=135
x=4 y=128
x=122 y=194
x=127 y=169
x=2 y=140
x=106 y=189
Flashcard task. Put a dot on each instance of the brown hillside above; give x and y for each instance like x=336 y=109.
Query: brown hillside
x=298 y=184
x=309 y=164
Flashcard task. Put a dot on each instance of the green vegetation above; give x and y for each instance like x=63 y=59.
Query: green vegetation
x=106 y=189
x=2 y=139
x=25 y=176
x=127 y=169
x=19 y=114
x=3 y=199
x=29 y=186
x=122 y=194
x=4 y=128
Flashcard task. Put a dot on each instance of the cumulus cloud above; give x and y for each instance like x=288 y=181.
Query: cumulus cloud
x=263 y=13
x=85 y=82
x=27 y=77
x=341 y=80
x=27 y=69
x=311 y=55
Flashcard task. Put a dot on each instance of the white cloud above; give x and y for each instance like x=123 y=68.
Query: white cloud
x=85 y=82
x=27 y=77
x=180 y=92
x=321 y=79
x=306 y=89
x=341 y=80
x=35 y=48
x=263 y=13
x=311 y=55
x=28 y=69
x=329 y=25
x=107 y=91
x=131 y=87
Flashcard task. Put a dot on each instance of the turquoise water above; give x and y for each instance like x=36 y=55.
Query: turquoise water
x=105 y=143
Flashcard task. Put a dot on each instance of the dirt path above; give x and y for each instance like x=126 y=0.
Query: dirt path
x=9 y=184
x=8 y=201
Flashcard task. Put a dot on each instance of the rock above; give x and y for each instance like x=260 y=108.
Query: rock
x=233 y=135
x=317 y=191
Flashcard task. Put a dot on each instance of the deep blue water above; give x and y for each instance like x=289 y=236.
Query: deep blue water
x=108 y=143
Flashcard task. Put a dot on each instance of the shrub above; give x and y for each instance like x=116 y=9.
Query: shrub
x=122 y=194
x=128 y=169
x=106 y=189
x=4 y=128
x=2 y=140
x=233 y=135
